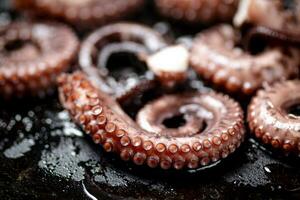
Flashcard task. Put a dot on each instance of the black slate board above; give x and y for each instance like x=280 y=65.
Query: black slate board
x=43 y=155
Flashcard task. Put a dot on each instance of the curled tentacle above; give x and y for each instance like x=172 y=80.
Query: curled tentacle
x=217 y=57
x=145 y=44
x=273 y=116
x=33 y=55
x=213 y=130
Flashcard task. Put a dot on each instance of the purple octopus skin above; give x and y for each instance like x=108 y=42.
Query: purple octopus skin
x=216 y=57
x=148 y=46
x=83 y=14
x=198 y=11
x=271 y=118
x=215 y=126
x=272 y=20
x=32 y=55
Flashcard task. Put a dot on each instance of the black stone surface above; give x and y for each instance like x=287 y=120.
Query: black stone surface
x=43 y=155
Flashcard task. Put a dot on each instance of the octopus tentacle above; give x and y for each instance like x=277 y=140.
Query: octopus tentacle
x=102 y=118
x=271 y=118
x=198 y=11
x=217 y=57
x=273 y=19
x=33 y=55
x=152 y=116
x=142 y=41
x=82 y=13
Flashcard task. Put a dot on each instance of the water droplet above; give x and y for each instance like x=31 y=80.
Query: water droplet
x=267 y=169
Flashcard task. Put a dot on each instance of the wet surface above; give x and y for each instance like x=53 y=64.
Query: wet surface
x=43 y=155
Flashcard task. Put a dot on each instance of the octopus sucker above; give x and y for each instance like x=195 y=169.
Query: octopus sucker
x=198 y=11
x=218 y=57
x=148 y=140
x=168 y=63
x=273 y=116
x=83 y=14
x=32 y=55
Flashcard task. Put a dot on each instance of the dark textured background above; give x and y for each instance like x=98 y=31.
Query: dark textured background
x=45 y=156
